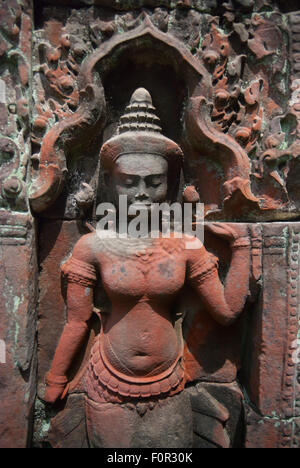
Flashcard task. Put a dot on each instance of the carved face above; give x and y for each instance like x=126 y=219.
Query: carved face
x=142 y=177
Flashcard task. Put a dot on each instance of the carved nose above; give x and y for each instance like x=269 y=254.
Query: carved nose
x=142 y=193
x=210 y=57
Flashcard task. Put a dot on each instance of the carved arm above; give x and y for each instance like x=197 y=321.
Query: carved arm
x=80 y=307
x=81 y=276
x=225 y=304
x=237 y=280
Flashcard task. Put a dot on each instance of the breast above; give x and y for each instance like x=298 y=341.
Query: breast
x=139 y=331
x=160 y=278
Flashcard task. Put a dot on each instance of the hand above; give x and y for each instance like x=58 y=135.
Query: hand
x=223 y=230
x=53 y=393
x=228 y=232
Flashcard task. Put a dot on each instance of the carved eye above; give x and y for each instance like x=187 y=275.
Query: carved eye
x=154 y=181
x=128 y=182
x=156 y=184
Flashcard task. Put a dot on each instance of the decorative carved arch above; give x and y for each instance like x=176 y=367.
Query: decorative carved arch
x=90 y=116
x=133 y=39
x=222 y=148
x=52 y=168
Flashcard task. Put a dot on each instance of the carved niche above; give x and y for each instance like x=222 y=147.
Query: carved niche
x=230 y=103
x=220 y=85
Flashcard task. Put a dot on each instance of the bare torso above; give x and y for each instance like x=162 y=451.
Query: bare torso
x=142 y=287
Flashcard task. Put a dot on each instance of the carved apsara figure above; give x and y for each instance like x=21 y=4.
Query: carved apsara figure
x=135 y=378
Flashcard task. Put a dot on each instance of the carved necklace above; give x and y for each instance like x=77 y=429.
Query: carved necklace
x=143 y=251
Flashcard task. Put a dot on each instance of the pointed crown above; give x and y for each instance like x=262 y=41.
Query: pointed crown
x=139 y=132
x=140 y=114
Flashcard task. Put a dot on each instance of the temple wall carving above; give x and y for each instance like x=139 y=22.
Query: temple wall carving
x=211 y=92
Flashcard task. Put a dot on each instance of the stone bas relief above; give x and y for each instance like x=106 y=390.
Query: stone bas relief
x=101 y=335
x=232 y=85
x=137 y=365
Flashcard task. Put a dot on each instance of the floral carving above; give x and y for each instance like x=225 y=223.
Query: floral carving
x=233 y=53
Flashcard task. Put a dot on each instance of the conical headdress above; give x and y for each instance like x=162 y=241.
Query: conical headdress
x=139 y=132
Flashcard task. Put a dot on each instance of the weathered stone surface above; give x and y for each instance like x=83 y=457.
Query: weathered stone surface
x=245 y=6
x=15 y=59
x=225 y=78
x=68 y=429
x=265 y=432
x=137 y=367
x=254 y=181
x=167 y=425
x=18 y=270
x=263 y=158
x=272 y=383
x=17 y=329
x=56 y=242
x=269 y=327
x=218 y=415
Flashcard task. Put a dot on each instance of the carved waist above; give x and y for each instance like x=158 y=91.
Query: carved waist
x=104 y=382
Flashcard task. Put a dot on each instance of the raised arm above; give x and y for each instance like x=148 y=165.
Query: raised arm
x=224 y=304
x=81 y=277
